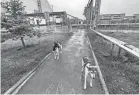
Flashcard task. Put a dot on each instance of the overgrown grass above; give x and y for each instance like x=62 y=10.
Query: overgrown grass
x=121 y=73
x=130 y=38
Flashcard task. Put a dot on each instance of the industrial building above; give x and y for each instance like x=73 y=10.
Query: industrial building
x=118 y=21
x=117 y=18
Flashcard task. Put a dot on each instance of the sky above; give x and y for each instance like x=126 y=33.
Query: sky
x=76 y=7
x=73 y=7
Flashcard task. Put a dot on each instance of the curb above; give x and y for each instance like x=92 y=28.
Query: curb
x=99 y=71
x=25 y=78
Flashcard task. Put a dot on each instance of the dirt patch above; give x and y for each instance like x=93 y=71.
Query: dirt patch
x=121 y=73
x=16 y=62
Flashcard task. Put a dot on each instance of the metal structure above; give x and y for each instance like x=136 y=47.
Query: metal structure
x=39 y=6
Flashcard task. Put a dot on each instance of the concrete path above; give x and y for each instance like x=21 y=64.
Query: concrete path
x=63 y=76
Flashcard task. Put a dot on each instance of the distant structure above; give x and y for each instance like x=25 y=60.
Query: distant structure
x=45 y=6
x=118 y=21
x=110 y=18
x=117 y=18
x=32 y=7
x=39 y=6
x=35 y=6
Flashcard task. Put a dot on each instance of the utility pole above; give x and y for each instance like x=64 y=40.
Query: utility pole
x=39 y=6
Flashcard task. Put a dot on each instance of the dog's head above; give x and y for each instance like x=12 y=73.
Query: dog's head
x=93 y=70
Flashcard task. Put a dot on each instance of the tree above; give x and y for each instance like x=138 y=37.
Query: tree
x=14 y=8
x=20 y=31
x=19 y=27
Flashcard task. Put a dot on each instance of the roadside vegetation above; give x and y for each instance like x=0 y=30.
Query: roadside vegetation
x=15 y=22
x=121 y=73
x=16 y=61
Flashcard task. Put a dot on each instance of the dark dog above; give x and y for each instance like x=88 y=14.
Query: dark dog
x=56 y=48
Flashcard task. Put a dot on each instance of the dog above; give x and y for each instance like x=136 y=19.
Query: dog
x=56 y=49
x=89 y=71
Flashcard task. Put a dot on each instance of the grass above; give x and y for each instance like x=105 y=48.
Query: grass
x=5 y=36
x=16 y=61
x=131 y=38
x=121 y=76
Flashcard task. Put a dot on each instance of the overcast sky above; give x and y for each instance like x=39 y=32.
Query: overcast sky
x=76 y=7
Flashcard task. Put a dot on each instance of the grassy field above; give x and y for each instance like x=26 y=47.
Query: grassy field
x=130 y=38
x=121 y=73
x=16 y=61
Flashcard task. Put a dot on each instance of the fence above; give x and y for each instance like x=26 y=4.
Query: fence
x=122 y=45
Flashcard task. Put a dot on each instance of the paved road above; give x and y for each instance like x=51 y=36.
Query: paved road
x=63 y=76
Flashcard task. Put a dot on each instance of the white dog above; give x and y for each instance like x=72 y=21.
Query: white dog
x=89 y=71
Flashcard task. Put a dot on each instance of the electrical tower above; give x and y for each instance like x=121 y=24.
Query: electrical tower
x=39 y=6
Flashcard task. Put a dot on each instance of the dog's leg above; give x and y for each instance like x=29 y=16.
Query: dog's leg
x=58 y=53
x=55 y=54
x=61 y=49
x=85 y=82
x=82 y=65
x=91 y=79
x=85 y=79
x=91 y=82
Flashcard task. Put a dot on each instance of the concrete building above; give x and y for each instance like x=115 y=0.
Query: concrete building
x=110 y=18
x=118 y=21
x=117 y=18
